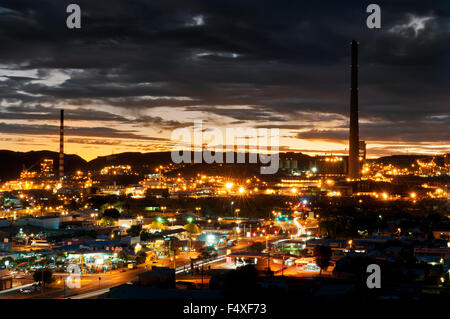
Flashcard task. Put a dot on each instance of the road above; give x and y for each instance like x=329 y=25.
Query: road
x=90 y=283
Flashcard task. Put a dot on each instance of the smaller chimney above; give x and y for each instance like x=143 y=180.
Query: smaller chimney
x=61 y=146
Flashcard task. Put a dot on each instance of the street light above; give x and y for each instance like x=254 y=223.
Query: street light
x=268 y=253
x=64 y=285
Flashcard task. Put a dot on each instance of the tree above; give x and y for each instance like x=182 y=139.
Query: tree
x=134 y=230
x=322 y=255
x=124 y=256
x=241 y=282
x=74 y=205
x=8 y=261
x=157 y=225
x=191 y=228
x=111 y=212
x=123 y=259
x=206 y=253
x=303 y=253
x=141 y=257
x=107 y=221
x=256 y=247
x=44 y=276
x=145 y=235
x=60 y=259
x=91 y=233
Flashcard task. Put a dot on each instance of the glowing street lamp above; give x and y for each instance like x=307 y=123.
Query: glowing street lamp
x=330 y=182
x=236 y=211
x=137 y=248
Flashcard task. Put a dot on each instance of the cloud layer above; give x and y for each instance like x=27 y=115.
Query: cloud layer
x=138 y=69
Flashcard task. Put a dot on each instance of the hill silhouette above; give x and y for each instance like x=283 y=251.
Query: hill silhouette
x=12 y=163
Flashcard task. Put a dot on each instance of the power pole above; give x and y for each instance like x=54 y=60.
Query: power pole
x=268 y=253
x=172 y=247
x=42 y=278
x=202 y=274
x=174 y=252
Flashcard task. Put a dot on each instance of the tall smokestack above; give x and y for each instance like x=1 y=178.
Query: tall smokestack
x=353 y=156
x=61 y=145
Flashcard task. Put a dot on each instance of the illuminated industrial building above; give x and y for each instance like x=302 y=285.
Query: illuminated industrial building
x=353 y=162
x=329 y=166
x=46 y=167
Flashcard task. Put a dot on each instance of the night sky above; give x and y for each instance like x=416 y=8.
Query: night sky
x=138 y=69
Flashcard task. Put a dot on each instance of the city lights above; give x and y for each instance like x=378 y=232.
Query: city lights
x=258 y=152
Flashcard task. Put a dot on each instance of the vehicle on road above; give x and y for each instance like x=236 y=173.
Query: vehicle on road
x=31 y=289
x=27 y=290
x=310 y=268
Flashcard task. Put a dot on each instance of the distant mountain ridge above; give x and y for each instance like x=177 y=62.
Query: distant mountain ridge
x=408 y=160
x=135 y=159
x=12 y=163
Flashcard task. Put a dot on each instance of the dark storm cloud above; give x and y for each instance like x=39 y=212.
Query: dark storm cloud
x=431 y=129
x=250 y=113
x=44 y=113
x=40 y=112
x=44 y=129
x=152 y=121
x=278 y=58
